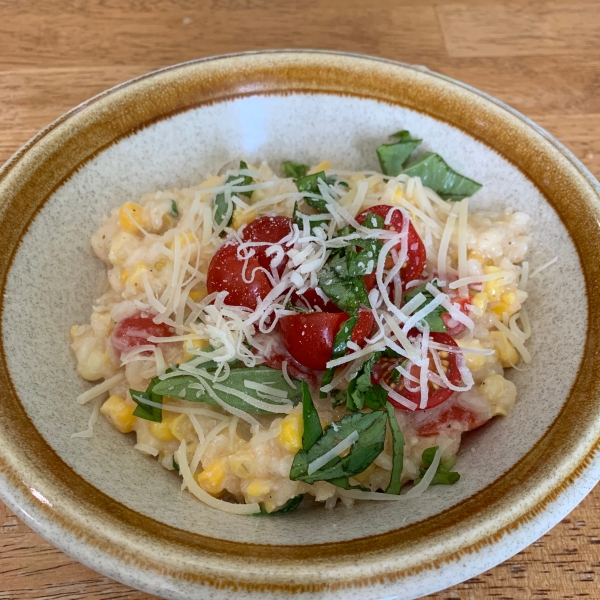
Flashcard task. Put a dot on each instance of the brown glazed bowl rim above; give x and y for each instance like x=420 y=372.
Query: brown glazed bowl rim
x=498 y=521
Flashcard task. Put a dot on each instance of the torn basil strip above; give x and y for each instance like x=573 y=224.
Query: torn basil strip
x=145 y=411
x=174 y=212
x=312 y=431
x=443 y=475
x=289 y=506
x=188 y=387
x=436 y=174
x=297 y=216
x=395 y=485
x=310 y=184
x=221 y=204
x=294 y=169
x=371 y=430
x=362 y=392
x=392 y=157
x=433 y=319
x=345 y=291
x=340 y=347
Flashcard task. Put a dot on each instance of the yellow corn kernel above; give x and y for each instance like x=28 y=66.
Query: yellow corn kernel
x=258 y=488
x=292 y=428
x=366 y=474
x=198 y=293
x=124 y=276
x=159 y=265
x=270 y=505
x=162 y=431
x=506 y=352
x=135 y=278
x=242 y=218
x=492 y=389
x=167 y=221
x=131 y=216
x=480 y=301
x=119 y=414
x=242 y=464
x=212 y=478
x=211 y=182
x=184 y=240
x=475 y=256
x=190 y=345
x=493 y=288
x=398 y=196
x=182 y=428
x=92 y=368
x=322 y=166
x=473 y=361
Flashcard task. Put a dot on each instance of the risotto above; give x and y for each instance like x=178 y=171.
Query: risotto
x=325 y=333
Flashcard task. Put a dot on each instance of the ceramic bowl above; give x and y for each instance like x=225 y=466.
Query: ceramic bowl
x=120 y=512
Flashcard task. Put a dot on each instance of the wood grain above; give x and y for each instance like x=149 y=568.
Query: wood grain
x=540 y=57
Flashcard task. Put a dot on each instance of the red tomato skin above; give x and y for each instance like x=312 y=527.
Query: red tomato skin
x=309 y=337
x=294 y=368
x=268 y=229
x=225 y=274
x=135 y=330
x=314 y=301
x=384 y=367
x=416 y=255
x=364 y=328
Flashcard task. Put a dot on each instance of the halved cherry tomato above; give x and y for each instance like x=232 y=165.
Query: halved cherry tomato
x=225 y=274
x=313 y=300
x=384 y=368
x=455 y=417
x=293 y=367
x=453 y=326
x=415 y=258
x=268 y=229
x=135 y=330
x=309 y=337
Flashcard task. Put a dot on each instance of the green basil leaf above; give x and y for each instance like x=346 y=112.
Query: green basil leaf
x=310 y=184
x=433 y=319
x=175 y=465
x=392 y=157
x=174 y=212
x=363 y=262
x=398 y=452
x=344 y=291
x=375 y=397
x=371 y=439
x=290 y=306
x=185 y=387
x=338 y=397
x=437 y=175
x=297 y=216
x=143 y=411
x=340 y=347
x=289 y=506
x=221 y=205
x=345 y=484
x=294 y=169
x=362 y=392
x=443 y=475
x=310 y=419
x=428 y=456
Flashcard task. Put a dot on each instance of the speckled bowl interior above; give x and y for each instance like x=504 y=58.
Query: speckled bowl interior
x=120 y=511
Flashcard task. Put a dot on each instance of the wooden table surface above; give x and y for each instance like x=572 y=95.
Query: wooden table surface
x=540 y=57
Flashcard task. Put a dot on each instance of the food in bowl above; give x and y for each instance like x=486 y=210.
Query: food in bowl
x=326 y=333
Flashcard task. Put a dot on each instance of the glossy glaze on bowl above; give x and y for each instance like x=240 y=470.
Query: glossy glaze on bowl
x=121 y=513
